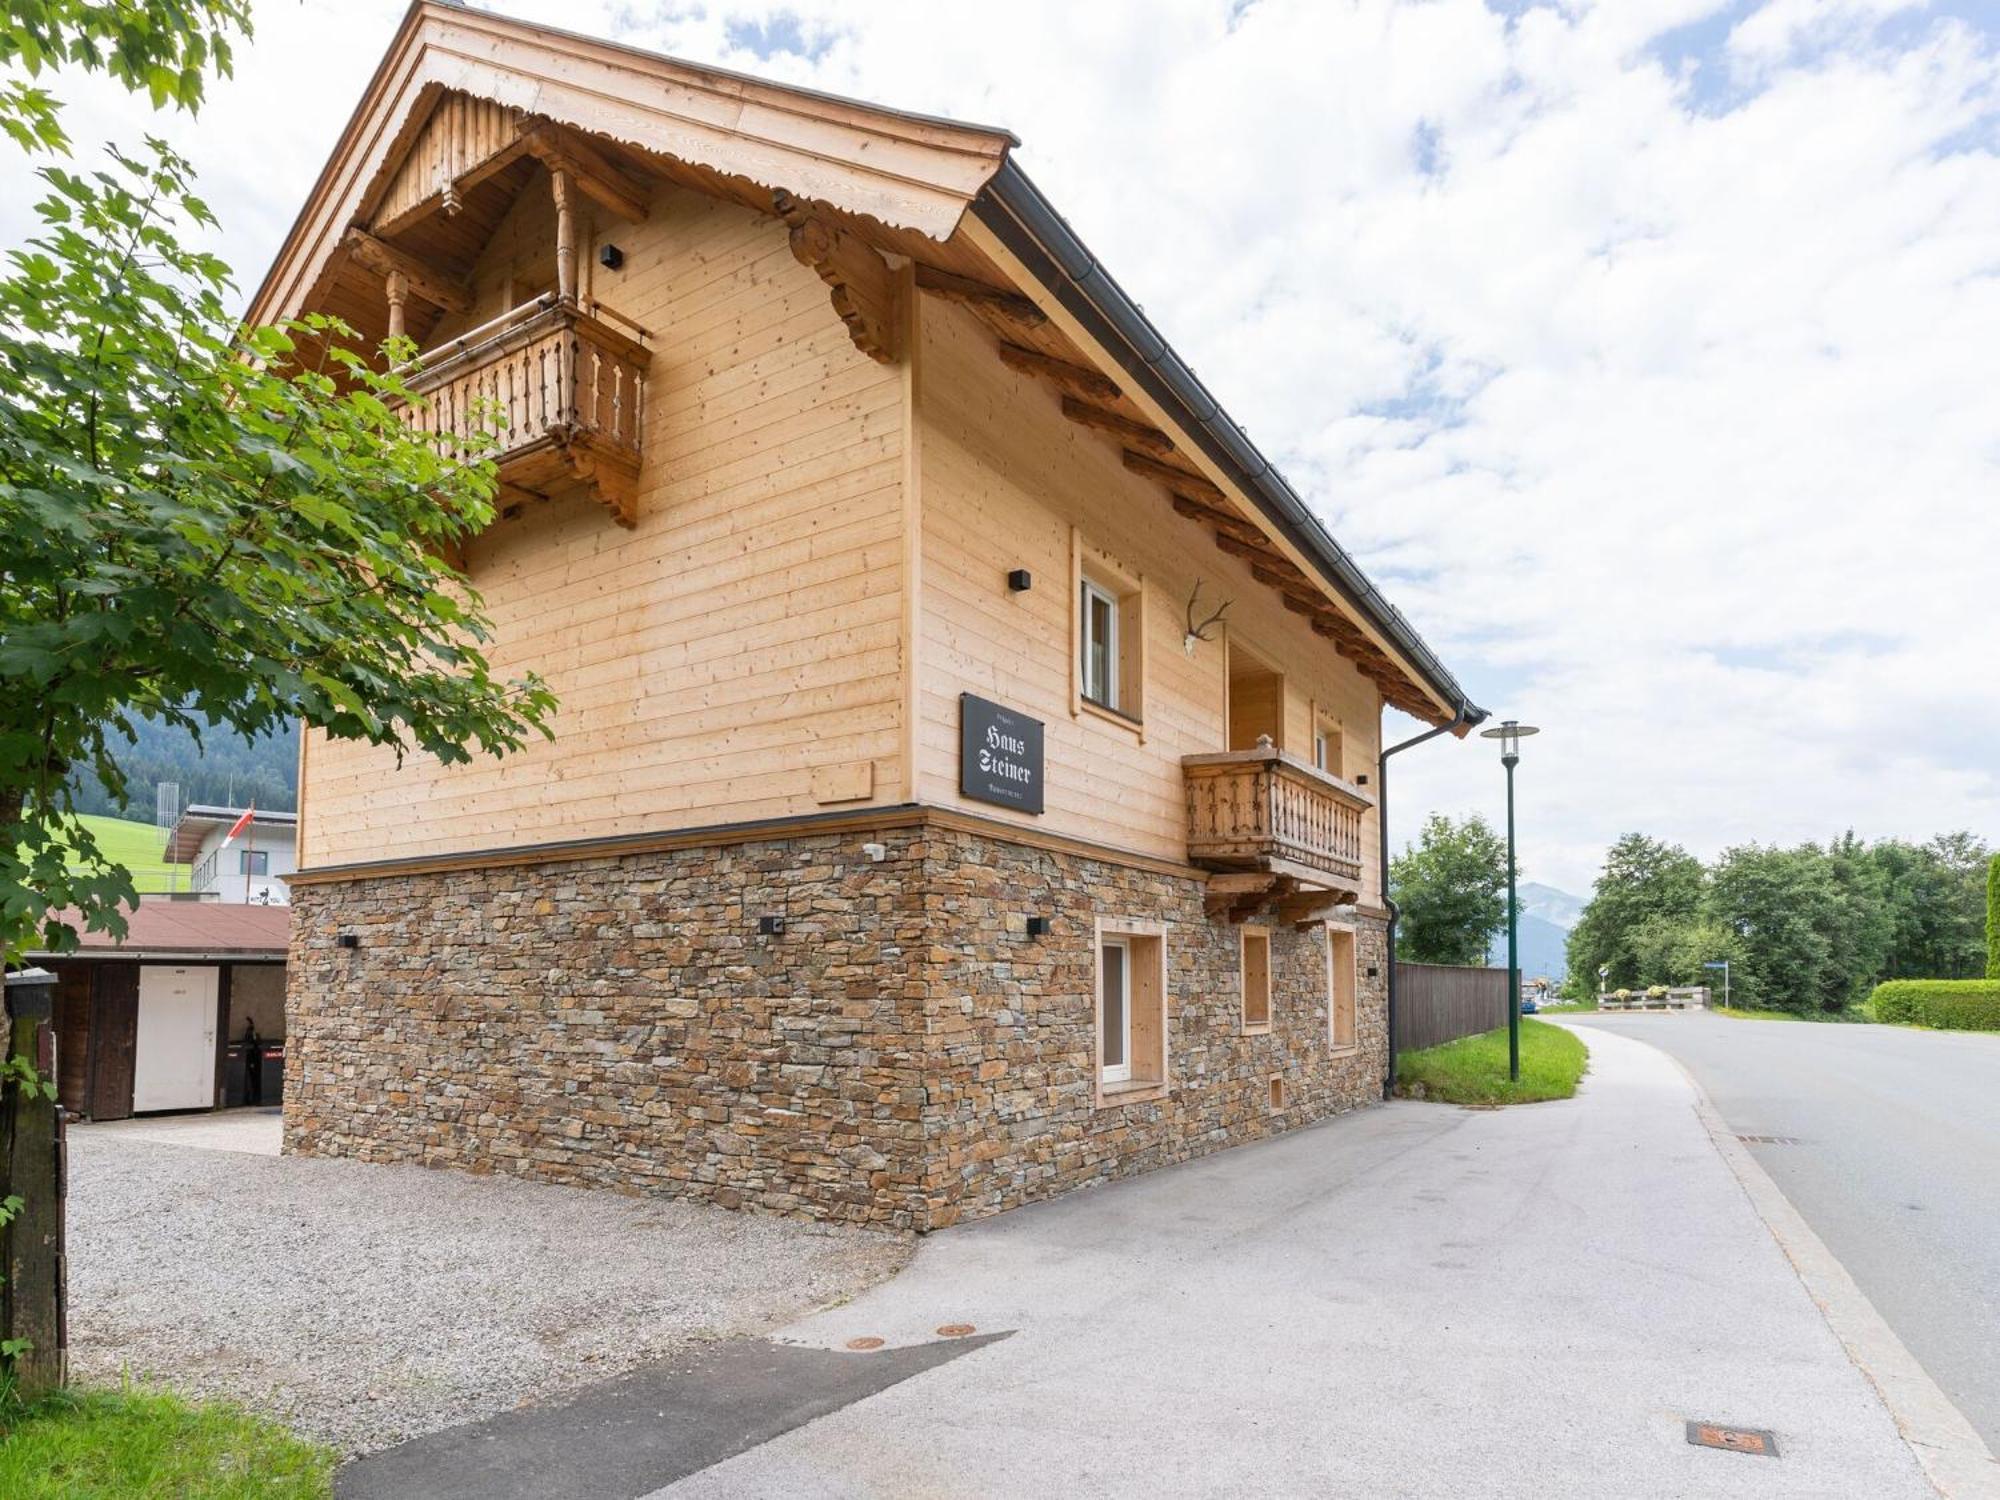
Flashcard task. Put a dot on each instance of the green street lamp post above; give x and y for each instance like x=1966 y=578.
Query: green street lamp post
x=1510 y=734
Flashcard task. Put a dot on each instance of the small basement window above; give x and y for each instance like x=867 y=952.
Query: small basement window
x=1130 y=1008
x=1341 y=988
x=1256 y=979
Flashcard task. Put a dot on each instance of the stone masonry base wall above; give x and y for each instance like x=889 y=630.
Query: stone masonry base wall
x=1013 y=1113
x=620 y=1023
x=902 y=1054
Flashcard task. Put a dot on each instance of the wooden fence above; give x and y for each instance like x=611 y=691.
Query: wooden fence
x=1437 y=1003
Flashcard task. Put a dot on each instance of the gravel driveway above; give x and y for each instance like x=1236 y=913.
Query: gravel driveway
x=367 y=1304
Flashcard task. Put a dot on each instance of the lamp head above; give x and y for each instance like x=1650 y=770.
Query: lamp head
x=1510 y=733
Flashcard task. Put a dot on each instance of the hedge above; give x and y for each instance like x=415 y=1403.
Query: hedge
x=1954 y=1004
x=1993 y=919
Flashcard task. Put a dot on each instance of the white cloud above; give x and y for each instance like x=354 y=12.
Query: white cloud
x=1707 y=486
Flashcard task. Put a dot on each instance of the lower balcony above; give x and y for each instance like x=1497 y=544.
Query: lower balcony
x=565 y=389
x=1270 y=825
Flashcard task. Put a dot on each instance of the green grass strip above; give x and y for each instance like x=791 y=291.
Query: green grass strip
x=1473 y=1069
x=148 y=1445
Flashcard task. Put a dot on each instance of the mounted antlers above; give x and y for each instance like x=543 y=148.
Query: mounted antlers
x=1201 y=632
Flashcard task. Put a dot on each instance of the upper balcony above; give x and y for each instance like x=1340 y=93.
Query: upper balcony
x=565 y=389
x=1273 y=825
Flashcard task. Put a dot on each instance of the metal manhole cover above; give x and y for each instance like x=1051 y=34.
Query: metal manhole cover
x=1769 y=1140
x=1733 y=1439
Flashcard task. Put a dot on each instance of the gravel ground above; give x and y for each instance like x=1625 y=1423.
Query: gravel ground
x=364 y=1305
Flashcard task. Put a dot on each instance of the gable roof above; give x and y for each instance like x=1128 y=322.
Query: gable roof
x=942 y=193
x=185 y=930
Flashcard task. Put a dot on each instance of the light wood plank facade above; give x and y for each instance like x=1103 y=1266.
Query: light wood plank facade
x=856 y=423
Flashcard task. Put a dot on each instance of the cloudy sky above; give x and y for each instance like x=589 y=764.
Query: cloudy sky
x=1645 y=352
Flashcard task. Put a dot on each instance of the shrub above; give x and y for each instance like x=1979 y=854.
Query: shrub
x=1993 y=919
x=1953 y=1004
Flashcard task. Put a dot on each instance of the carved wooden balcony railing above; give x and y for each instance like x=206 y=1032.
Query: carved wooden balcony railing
x=1274 y=823
x=566 y=390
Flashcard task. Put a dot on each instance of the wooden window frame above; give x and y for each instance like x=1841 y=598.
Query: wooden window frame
x=1148 y=1016
x=1253 y=933
x=1126 y=591
x=1327 y=732
x=1343 y=987
x=1090 y=595
x=1110 y=1075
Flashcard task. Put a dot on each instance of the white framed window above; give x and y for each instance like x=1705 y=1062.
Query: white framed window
x=1108 y=646
x=1114 y=1010
x=1342 y=987
x=1129 y=1020
x=1102 y=658
x=1327 y=747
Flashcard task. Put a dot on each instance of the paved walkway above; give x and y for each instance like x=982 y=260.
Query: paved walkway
x=1888 y=1141
x=1418 y=1300
x=256 y=1130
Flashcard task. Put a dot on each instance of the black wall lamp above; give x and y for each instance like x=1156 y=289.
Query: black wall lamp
x=1020 y=580
x=610 y=257
x=1038 y=927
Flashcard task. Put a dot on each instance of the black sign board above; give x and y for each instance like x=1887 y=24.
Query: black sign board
x=999 y=754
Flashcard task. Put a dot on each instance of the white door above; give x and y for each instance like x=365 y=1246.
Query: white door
x=173 y=1063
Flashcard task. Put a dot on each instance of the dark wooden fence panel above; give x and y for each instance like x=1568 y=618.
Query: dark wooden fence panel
x=1436 y=1003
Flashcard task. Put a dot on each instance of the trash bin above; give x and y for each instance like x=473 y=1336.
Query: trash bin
x=273 y=1076
x=232 y=1075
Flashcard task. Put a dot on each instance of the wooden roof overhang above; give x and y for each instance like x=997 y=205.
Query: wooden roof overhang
x=863 y=189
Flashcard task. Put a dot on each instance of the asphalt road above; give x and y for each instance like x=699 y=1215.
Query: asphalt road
x=1896 y=1166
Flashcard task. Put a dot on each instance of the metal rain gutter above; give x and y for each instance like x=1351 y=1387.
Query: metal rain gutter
x=1015 y=210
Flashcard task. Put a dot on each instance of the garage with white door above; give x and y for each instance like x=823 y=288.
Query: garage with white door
x=187 y=1011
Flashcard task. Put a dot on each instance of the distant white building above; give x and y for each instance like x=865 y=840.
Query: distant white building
x=250 y=870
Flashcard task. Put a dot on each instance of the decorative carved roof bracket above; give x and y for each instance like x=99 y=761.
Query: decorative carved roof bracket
x=602 y=181
x=385 y=260
x=864 y=288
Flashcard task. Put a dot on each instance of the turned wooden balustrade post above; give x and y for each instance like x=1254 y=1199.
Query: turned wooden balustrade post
x=399 y=291
x=560 y=185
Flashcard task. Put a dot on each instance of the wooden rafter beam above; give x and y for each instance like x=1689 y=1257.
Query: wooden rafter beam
x=1122 y=427
x=1011 y=306
x=1075 y=378
x=1200 y=498
x=385 y=260
x=601 y=180
x=864 y=288
x=1175 y=477
x=1223 y=520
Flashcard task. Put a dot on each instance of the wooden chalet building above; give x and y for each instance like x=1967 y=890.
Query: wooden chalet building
x=913 y=843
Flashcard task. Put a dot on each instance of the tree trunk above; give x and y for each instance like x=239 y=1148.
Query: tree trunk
x=31 y=1168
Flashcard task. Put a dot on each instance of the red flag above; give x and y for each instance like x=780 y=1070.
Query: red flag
x=241 y=824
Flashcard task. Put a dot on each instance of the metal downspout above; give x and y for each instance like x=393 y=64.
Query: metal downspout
x=1467 y=714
